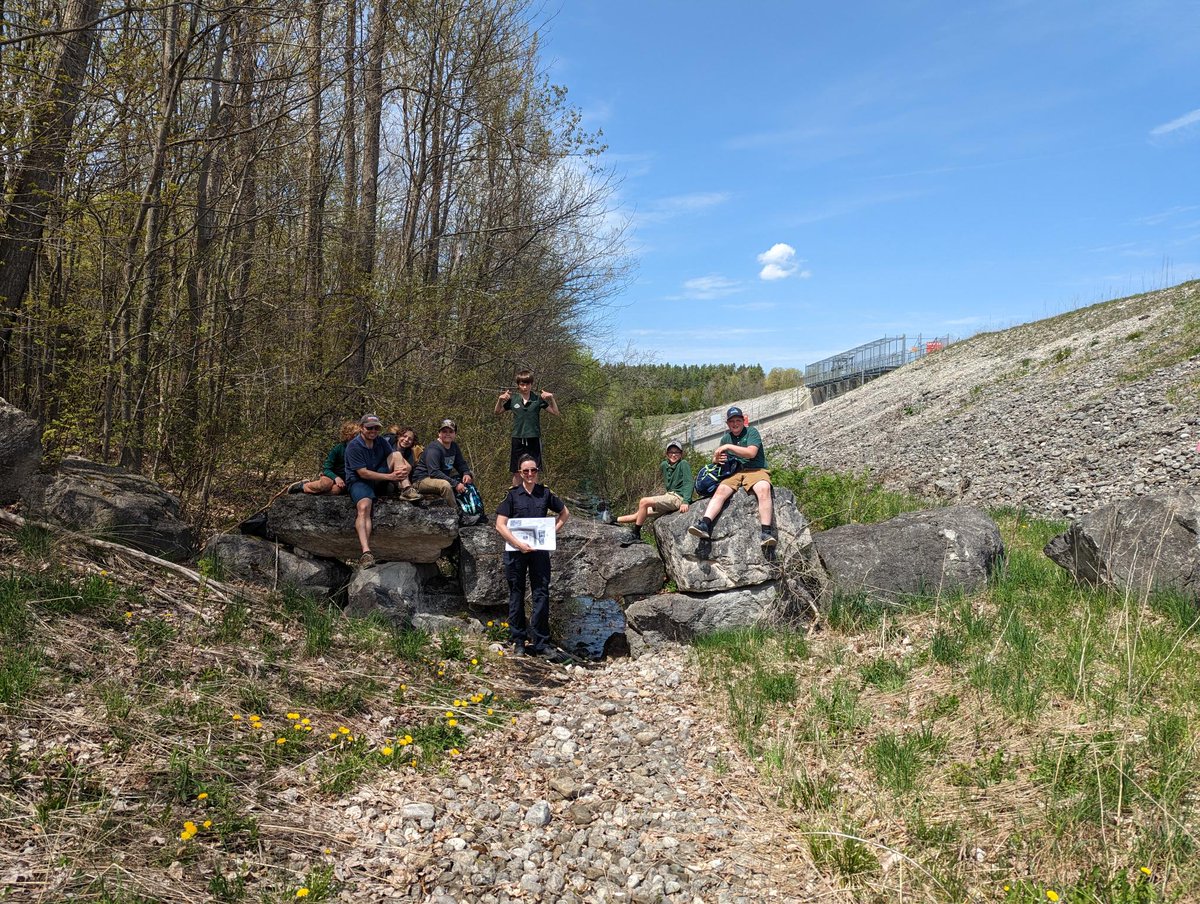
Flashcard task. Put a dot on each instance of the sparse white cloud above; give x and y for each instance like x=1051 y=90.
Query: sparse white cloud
x=1181 y=122
x=661 y=210
x=706 y=288
x=779 y=262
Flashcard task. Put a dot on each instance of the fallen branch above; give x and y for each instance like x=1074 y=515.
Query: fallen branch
x=222 y=591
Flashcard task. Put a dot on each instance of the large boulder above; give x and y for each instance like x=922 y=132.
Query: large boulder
x=408 y=595
x=401 y=531
x=734 y=558
x=267 y=564
x=1136 y=545
x=591 y=560
x=679 y=617
x=20 y=451
x=933 y=551
x=112 y=504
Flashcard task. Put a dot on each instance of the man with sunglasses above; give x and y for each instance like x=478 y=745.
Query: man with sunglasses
x=367 y=473
x=529 y=500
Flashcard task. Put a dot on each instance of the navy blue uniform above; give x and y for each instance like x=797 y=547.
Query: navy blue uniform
x=532 y=566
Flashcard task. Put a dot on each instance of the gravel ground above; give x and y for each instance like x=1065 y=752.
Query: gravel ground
x=617 y=785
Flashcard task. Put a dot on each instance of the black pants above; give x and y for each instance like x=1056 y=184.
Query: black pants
x=535 y=565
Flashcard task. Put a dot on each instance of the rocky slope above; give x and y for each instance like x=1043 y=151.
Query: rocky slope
x=1056 y=416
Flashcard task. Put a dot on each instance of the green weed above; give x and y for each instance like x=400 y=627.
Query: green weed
x=410 y=644
x=884 y=674
x=843 y=854
x=35 y=542
x=830 y=500
x=838 y=711
x=854 y=613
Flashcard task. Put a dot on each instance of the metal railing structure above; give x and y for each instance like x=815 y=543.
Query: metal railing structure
x=850 y=369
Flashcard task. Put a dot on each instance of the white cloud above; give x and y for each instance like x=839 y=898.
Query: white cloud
x=1182 y=122
x=779 y=262
x=704 y=288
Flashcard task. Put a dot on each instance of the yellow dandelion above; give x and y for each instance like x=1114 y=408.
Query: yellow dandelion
x=297 y=727
x=408 y=739
x=441 y=672
x=129 y=615
x=454 y=751
x=414 y=763
x=449 y=714
x=256 y=718
x=387 y=751
x=185 y=835
x=207 y=823
x=342 y=729
x=237 y=717
x=490 y=624
x=333 y=735
x=301 y=892
x=404 y=687
x=306 y=727
x=203 y=795
x=1006 y=888
x=474 y=662
x=499 y=652
x=1051 y=894
x=1146 y=870
x=189 y=826
x=514 y=720
x=279 y=742
x=293 y=715
x=452 y=722
x=491 y=711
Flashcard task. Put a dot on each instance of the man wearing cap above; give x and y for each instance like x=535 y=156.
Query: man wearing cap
x=743 y=445
x=677 y=495
x=441 y=470
x=367 y=473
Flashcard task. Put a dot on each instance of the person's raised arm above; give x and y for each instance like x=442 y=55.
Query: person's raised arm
x=502 y=401
x=551 y=402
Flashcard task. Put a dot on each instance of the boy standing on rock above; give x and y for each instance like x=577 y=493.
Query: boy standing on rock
x=677 y=491
x=743 y=445
x=529 y=500
x=527 y=424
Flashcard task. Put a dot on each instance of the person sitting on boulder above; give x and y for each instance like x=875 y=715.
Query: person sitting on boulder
x=332 y=479
x=677 y=495
x=743 y=446
x=441 y=470
x=402 y=461
x=368 y=474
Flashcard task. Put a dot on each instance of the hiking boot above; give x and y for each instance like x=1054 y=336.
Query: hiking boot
x=701 y=529
x=767 y=538
x=551 y=654
x=410 y=494
x=635 y=533
x=518 y=648
x=366 y=560
x=297 y=487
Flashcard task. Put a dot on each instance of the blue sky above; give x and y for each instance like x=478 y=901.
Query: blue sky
x=799 y=178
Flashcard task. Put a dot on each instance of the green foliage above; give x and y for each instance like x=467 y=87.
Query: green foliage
x=36 y=543
x=898 y=759
x=843 y=854
x=884 y=674
x=652 y=389
x=410 y=644
x=831 y=500
x=1096 y=885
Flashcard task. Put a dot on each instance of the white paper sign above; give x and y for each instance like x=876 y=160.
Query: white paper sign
x=537 y=532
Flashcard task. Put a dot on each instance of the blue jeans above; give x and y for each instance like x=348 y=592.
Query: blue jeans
x=536 y=566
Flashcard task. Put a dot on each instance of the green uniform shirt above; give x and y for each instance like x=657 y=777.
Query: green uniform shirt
x=677 y=478
x=749 y=437
x=526 y=415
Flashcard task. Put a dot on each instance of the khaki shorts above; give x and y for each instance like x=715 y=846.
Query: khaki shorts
x=665 y=504
x=745 y=480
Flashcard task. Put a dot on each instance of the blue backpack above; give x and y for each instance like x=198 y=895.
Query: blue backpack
x=710 y=476
x=469 y=502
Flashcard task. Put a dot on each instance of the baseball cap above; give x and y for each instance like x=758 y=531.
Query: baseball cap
x=448 y=423
x=370 y=420
x=734 y=412
x=674 y=444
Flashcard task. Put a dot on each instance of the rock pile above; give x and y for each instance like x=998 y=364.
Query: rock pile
x=1057 y=416
x=617 y=786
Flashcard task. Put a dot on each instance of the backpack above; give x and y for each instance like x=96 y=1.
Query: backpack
x=710 y=476
x=468 y=500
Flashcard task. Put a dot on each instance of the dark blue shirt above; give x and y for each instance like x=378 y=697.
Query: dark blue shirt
x=359 y=456
x=519 y=504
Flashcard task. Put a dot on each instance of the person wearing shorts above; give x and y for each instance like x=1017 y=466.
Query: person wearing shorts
x=744 y=445
x=526 y=407
x=367 y=473
x=677 y=495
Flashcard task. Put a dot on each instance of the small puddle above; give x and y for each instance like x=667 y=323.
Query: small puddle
x=585 y=627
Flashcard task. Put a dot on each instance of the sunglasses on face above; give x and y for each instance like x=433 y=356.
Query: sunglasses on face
x=529 y=470
x=372 y=428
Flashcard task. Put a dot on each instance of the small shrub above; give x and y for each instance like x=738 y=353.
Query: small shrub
x=410 y=644
x=451 y=646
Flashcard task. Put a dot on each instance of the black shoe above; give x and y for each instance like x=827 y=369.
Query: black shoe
x=518 y=648
x=297 y=487
x=767 y=538
x=550 y=654
x=635 y=533
x=701 y=529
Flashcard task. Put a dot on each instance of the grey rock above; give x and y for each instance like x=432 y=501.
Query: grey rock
x=393 y=590
x=401 y=531
x=734 y=557
x=539 y=814
x=935 y=551
x=20 y=451
x=258 y=561
x=112 y=504
x=1136 y=545
x=417 y=811
x=680 y=617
